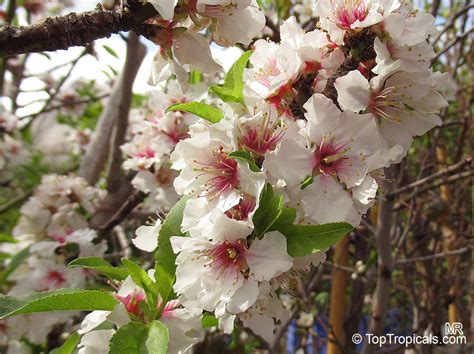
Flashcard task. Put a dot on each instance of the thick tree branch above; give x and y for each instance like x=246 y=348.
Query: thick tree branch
x=96 y=155
x=383 y=238
x=136 y=52
x=62 y=32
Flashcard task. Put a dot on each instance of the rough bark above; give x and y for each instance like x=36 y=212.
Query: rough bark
x=75 y=29
x=383 y=236
x=337 y=310
x=62 y=32
x=96 y=155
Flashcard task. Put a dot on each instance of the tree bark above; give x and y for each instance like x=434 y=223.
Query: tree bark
x=96 y=154
x=73 y=29
x=337 y=310
x=381 y=296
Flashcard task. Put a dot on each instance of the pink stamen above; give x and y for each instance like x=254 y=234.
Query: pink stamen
x=242 y=210
x=224 y=170
x=262 y=138
x=132 y=302
x=348 y=12
x=330 y=159
x=229 y=256
x=55 y=279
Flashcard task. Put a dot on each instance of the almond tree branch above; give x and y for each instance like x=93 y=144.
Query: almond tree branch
x=62 y=32
x=381 y=294
x=97 y=151
x=136 y=52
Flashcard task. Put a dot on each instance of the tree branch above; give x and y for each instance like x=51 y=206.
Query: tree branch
x=97 y=151
x=62 y=32
x=136 y=51
x=383 y=238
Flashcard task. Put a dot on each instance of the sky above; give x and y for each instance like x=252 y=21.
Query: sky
x=93 y=68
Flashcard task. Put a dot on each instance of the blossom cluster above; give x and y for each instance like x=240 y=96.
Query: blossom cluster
x=153 y=134
x=294 y=142
x=321 y=120
x=53 y=229
x=183 y=48
x=12 y=150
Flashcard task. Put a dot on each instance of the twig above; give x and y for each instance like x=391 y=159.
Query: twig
x=434 y=256
x=447 y=170
x=133 y=200
x=448 y=46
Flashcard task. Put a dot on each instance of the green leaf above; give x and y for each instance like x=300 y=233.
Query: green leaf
x=269 y=210
x=245 y=156
x=303 y=240
x=203 y=110
x=100 y=265
x=111 y=51
x=128 y=339
x=195 y=77
x=307 y=182
x=165 y=267
x=157 y=340
x=68 y=346
x=7 y=238
x=56 y=300
x=209 y=320
x=15 y=262
x=286 y=217
x=232 y=90
x=141 y=278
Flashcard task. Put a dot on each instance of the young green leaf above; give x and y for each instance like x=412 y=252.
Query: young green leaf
x=232 y=90
x=287 y=217
x=111 y=51
x=14 y=263
x=245 y=156
x=203 y=110
x=100 y=265
x=269 y=210
x=7 y=238
x=141 y=278
x=129 y=339
x=303 y=240
x=209 y=320
x=165 y=257
x=56 y=300
x=157 y=339
x=68 y=346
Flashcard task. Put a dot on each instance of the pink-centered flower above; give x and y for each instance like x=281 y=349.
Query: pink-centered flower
x=242 y=210
x=228 y=256
x=330 y=157
x=262 y=137
x=132 y=302
x=221 y=171
x=347 y=12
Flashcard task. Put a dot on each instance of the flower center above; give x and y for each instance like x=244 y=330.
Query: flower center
x=178 y=131
x=242 y=210
x=222 y=171
x=55 y=278
x=346 y=12
x=229 y=255
x=263 y=137
x=132 y=302
x=388 y=103
x=330 y=157
x=145 y=153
